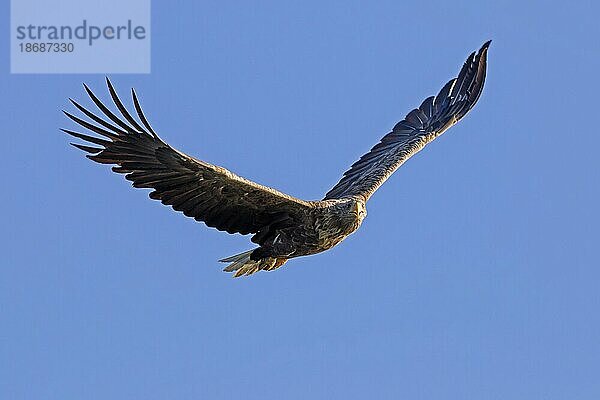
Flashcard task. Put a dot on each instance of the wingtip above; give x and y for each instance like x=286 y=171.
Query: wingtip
x=88 y=149
x=134 y=96
x=68 y=114
x=485 y=46
x=75 y=103
x=88 y=90
x=111 y=88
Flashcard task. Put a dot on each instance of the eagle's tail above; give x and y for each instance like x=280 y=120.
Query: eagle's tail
x=241 y=264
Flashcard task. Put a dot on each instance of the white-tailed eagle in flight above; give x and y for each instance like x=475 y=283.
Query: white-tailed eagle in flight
x=282 y=226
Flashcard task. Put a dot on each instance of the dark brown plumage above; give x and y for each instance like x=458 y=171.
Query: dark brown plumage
x=283 y=226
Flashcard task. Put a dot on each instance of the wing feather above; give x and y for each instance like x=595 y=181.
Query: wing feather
x=199 y=190
x=420 y=126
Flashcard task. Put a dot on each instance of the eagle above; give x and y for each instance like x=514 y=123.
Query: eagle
x=282 y=226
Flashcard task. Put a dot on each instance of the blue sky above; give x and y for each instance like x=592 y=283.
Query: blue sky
x=475 y=274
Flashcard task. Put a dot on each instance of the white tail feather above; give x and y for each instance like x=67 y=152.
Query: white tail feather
x=242 y=264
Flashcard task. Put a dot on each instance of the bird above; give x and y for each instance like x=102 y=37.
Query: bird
x=282 y=226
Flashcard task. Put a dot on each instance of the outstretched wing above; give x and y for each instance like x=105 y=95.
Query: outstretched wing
x=419 y=127
x=200 y=190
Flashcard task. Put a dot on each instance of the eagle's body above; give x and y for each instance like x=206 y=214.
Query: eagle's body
x=283 y=226
x=325 y=224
